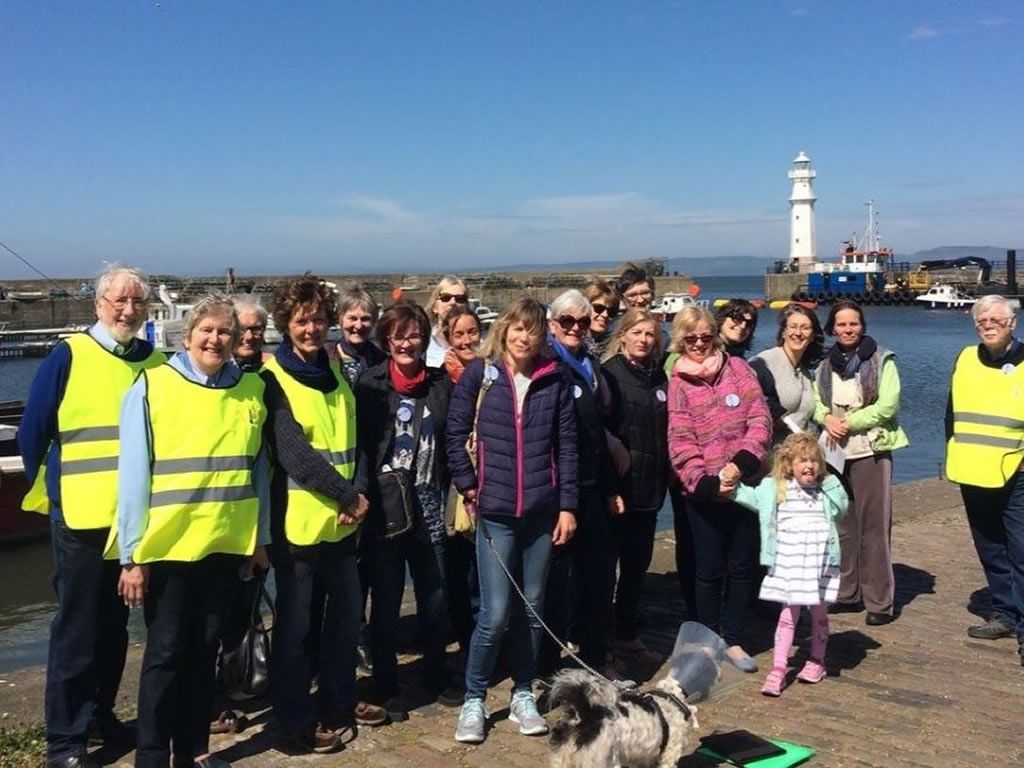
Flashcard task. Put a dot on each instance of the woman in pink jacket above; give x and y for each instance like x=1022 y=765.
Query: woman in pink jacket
x=719 y=432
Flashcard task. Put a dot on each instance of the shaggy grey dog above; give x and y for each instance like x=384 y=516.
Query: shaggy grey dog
x=603 y=726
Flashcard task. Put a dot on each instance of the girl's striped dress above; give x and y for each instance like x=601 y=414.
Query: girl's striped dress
x=801 y=574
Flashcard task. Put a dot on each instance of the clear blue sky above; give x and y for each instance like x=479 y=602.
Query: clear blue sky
x=374 y=136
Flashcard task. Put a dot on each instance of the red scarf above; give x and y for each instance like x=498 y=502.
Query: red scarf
x=453 y=365
x=406 y=385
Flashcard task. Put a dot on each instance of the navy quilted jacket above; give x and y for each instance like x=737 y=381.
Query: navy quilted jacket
x=526 y=462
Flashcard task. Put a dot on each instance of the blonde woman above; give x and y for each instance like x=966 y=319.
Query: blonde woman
x=525 y=491
x=450 y=291
x=637 y=415
x=719 y=431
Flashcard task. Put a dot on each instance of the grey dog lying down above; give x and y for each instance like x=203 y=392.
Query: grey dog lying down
x=603 y=726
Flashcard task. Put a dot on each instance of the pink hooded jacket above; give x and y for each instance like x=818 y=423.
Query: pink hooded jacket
x=711 y=424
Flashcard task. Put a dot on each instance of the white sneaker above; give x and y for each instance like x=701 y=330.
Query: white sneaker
x=472 y=721
x=523 y=710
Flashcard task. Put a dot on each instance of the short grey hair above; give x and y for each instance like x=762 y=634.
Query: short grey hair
x=213 y=304
x=356 y=296
x=114 y=272
x=990 y=301
x=571 y=299
x=246 y=302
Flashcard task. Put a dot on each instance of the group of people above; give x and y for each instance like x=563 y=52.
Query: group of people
x=517 y=474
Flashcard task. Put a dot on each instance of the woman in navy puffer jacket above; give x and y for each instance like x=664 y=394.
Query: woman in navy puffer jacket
x=525 y=490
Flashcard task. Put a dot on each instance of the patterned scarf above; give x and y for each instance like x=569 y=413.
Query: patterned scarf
x=862 y=362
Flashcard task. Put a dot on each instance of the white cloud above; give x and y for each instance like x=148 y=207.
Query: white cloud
x=923 y=32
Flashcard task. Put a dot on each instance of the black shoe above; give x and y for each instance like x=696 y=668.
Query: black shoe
x=449 y=696
x=878 y=619
x=108 y=731
x=1020 y=652
x=846 y=608
x=994 y=628
x=77 y=761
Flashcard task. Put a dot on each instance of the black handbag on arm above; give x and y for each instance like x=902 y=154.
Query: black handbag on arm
x=396 y=487
x=245 y=661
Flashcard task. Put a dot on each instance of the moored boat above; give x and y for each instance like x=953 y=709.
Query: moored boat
x=666 y=308
x=945 y=297
x=15 y=524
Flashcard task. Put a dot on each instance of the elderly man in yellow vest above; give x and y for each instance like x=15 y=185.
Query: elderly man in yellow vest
x=69 y=441
x=985 y=455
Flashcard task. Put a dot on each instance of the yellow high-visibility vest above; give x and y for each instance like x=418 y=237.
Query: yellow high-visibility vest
x=987 y=446
x=329 y=421
x=87 y=420
x=205 y=441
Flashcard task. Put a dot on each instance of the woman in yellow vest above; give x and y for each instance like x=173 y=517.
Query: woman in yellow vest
x=315 y=513
x=192 y=518
x=985 y=455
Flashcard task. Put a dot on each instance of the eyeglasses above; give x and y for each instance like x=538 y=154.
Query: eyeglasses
x=123 y=303
x=644 y=294
x=993 y=323
x=414 y=338
x=255 y=330
x=601 y=309
x=799 y=328
x=566 y=322
x=692 y=338
x=458 y=298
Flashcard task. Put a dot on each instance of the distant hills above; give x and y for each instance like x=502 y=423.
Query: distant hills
x=740 y=265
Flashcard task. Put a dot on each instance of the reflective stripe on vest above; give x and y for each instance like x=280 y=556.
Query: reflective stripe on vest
x=87 y=433
x=988 y=423
x=205 y=442
x=329 y=421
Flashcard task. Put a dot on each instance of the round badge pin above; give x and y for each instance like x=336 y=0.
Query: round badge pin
x=491 y=373
x=1009 y=368
x=732 y=400
x=404 y=414
x=660 y=394
x=577 y=392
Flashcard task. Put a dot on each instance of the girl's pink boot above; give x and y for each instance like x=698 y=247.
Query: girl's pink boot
x=774 y=682
x=813 y=672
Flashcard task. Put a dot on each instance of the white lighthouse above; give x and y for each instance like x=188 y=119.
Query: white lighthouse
x=803 y=251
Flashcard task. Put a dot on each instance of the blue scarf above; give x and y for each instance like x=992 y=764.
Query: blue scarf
x=583 y=365
x=316 y=375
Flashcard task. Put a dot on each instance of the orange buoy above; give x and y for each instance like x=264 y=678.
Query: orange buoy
x=694 y=290
x=396 y=294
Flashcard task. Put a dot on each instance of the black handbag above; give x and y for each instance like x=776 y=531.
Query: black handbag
x=245 y=661
x=396 y=489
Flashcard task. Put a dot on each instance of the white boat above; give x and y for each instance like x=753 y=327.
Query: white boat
x=945 y=297
x=486 y=315
x=667 y=306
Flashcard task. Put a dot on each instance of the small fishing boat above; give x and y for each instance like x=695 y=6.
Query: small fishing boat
x=15 y=524
x=945 y=297
x=666 y=308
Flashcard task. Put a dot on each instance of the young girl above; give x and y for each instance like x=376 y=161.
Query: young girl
x=798 y=507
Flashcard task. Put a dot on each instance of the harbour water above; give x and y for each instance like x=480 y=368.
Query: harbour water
x=926 y=343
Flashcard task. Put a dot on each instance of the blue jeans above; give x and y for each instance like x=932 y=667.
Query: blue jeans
x=996 y=516
x=88 y=639
x=388 y=558
x=295 y=570
x=524 y=544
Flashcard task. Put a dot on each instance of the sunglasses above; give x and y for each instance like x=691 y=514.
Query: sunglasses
x=458 y=298
x=693 y=338
x=568 y=321
x=741 y=319
x=601 y=309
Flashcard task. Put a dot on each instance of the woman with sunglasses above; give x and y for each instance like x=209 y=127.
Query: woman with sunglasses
x=786 y=371
x=637 y=414
x=604 y=308
x=519 y=404
x=719 y=432
x=449 y=292
x=737 y=321
x=857 y=400
x=581 y=578
x=402 y=409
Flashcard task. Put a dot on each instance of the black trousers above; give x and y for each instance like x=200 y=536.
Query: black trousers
x=631 y=544
x=186 y=609
x=463 y=587
x=685 y=560
x=581 y=570
x=88 y=639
